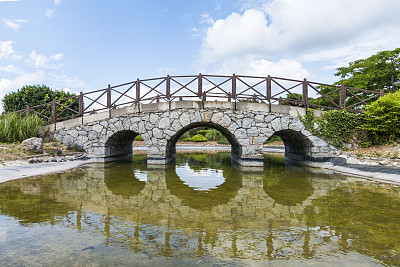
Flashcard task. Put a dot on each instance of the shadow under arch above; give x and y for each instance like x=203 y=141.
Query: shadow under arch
x=236 y=149
x=205 y=199
x=120 y=144
x=120 y=178
x=297 y=146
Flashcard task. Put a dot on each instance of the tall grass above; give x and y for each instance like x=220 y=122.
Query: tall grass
x=214 y=135
x=16 y=127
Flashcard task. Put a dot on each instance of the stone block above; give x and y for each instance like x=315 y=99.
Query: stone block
x=280 y=109
x=155 y=107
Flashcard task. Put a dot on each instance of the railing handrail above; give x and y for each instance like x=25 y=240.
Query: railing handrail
x=170 y=88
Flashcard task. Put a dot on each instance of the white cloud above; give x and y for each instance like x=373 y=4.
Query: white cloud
x=41 y=61
x=11 y=69
x=206 y=18
x=49 y=12
x=14 y=24
x=57 y=2
x=251 y=65
x=330 y=31
x=9 y=0
x=7 y=51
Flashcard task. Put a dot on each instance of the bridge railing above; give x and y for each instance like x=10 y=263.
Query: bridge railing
x=235 y=88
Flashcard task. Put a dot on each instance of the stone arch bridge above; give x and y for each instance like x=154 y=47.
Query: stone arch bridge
x=109 y=135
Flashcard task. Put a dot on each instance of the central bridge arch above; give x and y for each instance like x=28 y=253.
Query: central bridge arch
x=236 y=149
x=247 y=126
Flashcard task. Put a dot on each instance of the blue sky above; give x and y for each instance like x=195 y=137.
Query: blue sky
x=85 y=45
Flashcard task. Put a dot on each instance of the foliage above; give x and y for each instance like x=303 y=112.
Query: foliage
x=15 y=127
x=373 y=73
x=198 y=138
x=383 y=118
x=202 y=132
x=214 y=135
x=273 y=138
x=75 y=147
x=296 y=98
x=185 y=136
x=223 y=141
x=139 y=138
x=333 y=126
x=34 y=95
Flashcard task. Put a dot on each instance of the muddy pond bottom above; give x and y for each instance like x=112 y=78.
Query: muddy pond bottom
x=202 y=211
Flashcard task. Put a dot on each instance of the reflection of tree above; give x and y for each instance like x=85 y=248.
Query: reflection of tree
x=365 y=221
x=287 y=187
x=32 y=201
x=120 y=179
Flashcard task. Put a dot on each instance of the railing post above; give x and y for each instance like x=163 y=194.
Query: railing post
x=137 y=91
x=234 y=87
x=204 y=97
x=280 y=100
x=168 y=87
x=382 y=92
x=27 y=110
x=254 y=98
x=305 y=93
x=229 y=97
x=342 y=100
x=53 y=111
x=199 y=85
x=109 y=96
x=158 y=99
x=269 y=85
x=80 y=104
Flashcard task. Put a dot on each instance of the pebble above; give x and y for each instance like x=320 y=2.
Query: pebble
x=53 y=159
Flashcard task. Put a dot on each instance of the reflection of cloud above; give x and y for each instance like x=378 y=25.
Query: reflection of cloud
x=141 y=175
x=203 y=179
x=3 y=234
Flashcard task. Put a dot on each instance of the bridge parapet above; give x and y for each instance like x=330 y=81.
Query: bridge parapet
x=247 y=126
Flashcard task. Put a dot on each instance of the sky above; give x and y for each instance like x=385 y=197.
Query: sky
x=83 y=45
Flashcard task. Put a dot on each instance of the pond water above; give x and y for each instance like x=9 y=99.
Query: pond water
x=203 y=211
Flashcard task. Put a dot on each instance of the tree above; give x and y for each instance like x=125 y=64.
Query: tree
x=373 y=73
x=34 y=95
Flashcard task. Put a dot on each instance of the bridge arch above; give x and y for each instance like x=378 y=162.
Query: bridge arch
x=119 y=144
x=236 y=149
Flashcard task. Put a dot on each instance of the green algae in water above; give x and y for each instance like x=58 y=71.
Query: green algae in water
x=127 y=214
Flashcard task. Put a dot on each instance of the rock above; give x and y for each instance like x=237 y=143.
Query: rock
x=383 y=162
x=63 y=158
x=32 y=160
x=33 y=144
x=395 y=164
x=53 y=159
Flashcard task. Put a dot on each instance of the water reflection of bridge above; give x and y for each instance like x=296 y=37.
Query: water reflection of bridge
x=163 y=216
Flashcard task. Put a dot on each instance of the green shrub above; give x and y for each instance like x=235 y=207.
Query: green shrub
x=223 y=141
x=366 y=144
x=138 y=138
x=214 y=135
x=273 y=138
x=18 y=127
x=185 y=136
x=383 y=118
x=198 y=138
x=202 y=132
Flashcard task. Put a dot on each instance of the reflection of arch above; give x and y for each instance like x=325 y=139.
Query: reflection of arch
x=121 y=180
x=236 y=149
x=201 y=199
x=279 y=185
x=120 y=144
